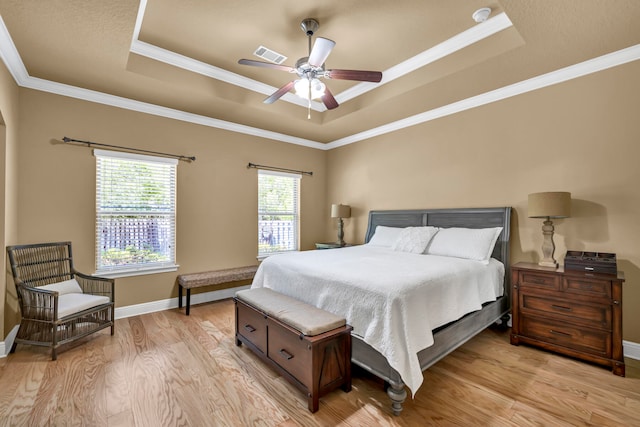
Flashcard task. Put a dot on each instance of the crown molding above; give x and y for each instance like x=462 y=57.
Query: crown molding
x=175 y=59
x=157 y=110
x=13 y=62
x=448 y=47
x=559 y=76
x=460 y=41
x=10 y=56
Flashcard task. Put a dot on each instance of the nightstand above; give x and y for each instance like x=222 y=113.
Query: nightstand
x=330 y=245
x=574 y=313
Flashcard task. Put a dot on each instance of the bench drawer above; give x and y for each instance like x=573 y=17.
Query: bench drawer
x=290 y=351
x=251 y=324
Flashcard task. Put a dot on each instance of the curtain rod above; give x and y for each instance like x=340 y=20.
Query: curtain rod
x=273 y=168
x=138 y=150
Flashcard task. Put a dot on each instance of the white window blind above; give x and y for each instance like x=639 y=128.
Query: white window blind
x=278 y=212
x=135 y=213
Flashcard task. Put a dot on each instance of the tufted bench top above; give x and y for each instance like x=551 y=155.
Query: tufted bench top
x=195 y=280
x=307 y=319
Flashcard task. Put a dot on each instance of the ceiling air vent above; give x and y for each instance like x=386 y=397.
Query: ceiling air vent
x=269 y=55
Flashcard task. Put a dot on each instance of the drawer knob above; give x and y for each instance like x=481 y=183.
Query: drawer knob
x=616 y=302
x=284 y=353
x=249 y=328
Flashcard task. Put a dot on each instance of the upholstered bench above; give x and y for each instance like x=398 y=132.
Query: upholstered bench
x=310 y=347
x=214 y=277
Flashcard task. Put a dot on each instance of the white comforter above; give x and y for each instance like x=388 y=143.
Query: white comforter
x=392 y=299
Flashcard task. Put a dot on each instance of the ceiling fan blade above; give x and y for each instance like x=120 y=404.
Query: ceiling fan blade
x=279 y=93
x=359 y=75
x=328 y=100
x=266 y=65
x=321 y=50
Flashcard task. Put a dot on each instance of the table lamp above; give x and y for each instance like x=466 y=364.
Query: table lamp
x=552 y=204
x=340 y=211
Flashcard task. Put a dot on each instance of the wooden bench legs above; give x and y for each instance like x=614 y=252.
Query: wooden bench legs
x=209 y=278
x=188 y=298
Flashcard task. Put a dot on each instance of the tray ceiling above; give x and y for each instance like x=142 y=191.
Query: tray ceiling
x=180 y=58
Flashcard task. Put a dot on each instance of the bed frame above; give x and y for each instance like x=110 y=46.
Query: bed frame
x=453 y=335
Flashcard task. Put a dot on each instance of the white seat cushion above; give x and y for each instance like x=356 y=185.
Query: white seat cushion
x=70 y=286
x=69 y=304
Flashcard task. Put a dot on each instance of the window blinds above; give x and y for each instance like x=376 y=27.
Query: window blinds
x=278 y=212
x=135 y=211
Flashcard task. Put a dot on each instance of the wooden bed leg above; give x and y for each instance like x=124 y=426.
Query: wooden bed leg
x=398 y=394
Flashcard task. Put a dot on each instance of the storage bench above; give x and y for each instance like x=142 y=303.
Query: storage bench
x=310 y=347
x=214 y=277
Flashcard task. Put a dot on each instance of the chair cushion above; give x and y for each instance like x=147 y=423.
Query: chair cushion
x=69 y=304
x=70 y=286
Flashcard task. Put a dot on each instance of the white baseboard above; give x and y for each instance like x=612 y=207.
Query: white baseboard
x=148 y=307
x=630 y=349
x=5 y=346
x=167 y=304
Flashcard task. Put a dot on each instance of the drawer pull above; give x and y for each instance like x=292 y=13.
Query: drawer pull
x=538 y=281
x=559 y=307
x=286 y=354
x=564 y=334
x=249 y=328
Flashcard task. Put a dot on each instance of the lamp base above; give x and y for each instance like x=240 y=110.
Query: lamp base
x=552 y=264
x=340 y=232
x=548 y=247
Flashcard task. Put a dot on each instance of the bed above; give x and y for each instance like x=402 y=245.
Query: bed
x=401 y=339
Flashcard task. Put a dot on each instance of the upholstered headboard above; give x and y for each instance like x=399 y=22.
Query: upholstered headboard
x=461 y=217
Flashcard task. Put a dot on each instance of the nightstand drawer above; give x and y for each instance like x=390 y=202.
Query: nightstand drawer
x=587 y=315
x=584 y=288
x=540 y=280
x=581 y=339
x=288 y=350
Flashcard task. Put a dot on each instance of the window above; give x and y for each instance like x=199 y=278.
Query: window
x=278 y=212
x=135 y=213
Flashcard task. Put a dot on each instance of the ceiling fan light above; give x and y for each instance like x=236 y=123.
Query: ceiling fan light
x=302 y=88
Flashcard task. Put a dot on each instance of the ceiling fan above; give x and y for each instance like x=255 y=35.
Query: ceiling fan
x=311 y=69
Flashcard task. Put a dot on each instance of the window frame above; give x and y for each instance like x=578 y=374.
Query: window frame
x=295 y=213
x=147 y=267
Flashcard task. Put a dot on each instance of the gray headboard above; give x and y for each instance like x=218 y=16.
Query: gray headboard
x=462 y=217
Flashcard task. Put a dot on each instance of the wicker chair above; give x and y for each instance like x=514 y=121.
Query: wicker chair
x=58 y=304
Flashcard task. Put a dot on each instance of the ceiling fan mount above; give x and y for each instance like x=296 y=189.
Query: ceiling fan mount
x=311 y=68
x=309 y=26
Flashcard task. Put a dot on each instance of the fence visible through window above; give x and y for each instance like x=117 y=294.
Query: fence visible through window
x=276 y=235
x=131 y=240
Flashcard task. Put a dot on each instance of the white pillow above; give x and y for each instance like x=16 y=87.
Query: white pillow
x=70 y=286
x=414 y=239
x=469 y=243
x=384 y=236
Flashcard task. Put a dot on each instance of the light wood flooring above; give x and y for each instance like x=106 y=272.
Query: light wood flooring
x=167 y=369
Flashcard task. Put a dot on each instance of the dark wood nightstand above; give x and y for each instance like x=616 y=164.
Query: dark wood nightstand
x=574 y=313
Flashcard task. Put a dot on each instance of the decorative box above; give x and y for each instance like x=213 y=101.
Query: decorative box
x=597 y=262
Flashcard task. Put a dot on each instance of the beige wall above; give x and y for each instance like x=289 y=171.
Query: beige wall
x=217 y=194
x=582 y=136
x=8 y=194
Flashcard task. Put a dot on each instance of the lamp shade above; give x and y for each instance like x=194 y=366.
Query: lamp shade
x=340 y=211
x=551 y=204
